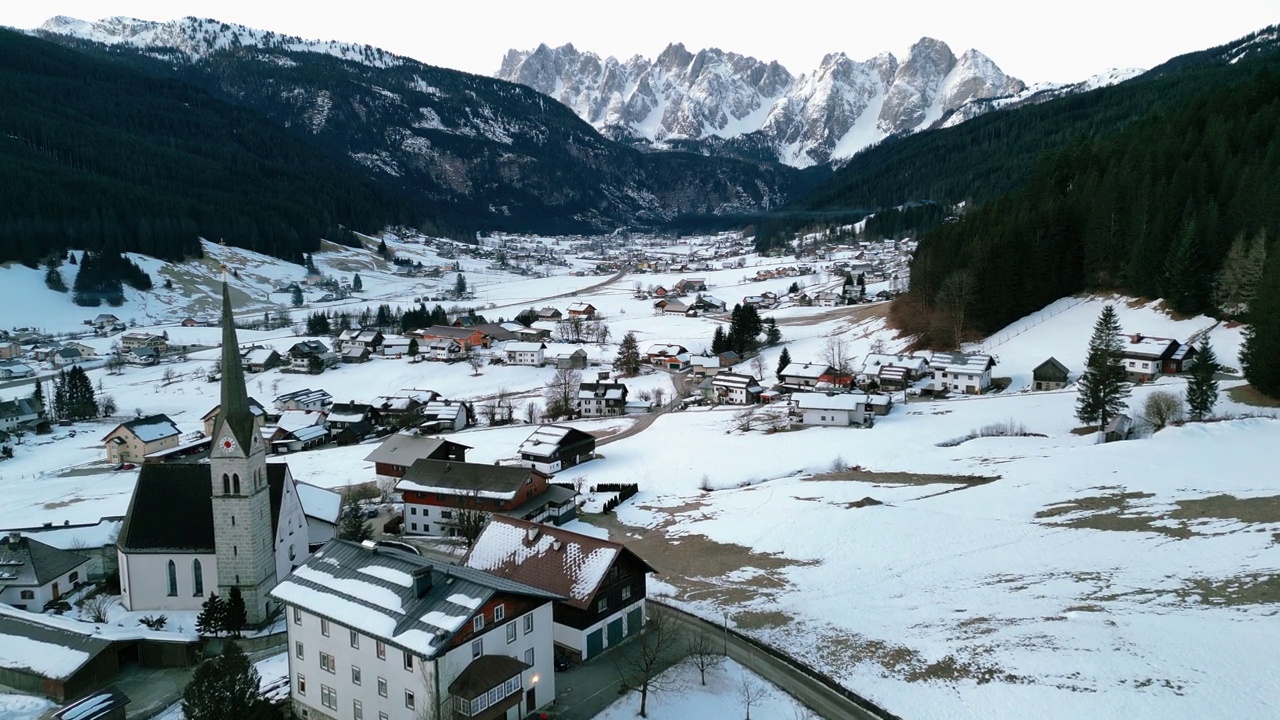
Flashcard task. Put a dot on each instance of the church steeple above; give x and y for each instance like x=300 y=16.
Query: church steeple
x=234 y=414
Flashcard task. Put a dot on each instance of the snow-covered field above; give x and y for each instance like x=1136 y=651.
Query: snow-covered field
x=722 y=697
x=1002 y=577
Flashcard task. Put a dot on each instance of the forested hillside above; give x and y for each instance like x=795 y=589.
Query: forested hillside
x=99 y=156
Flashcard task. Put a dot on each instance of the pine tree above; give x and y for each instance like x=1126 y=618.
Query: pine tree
x=1202 y=388
x=460 y=286
x=353 y=526
x=1103 y=386
x=223 y=687
x=413 y=347
x=382 y=250
x=37 y=394
x=772 y=335
x=628 y=360
x=1262 y=338
x=212 y=616
x=235 y=615
x=783 y=361
x=53 y=278
x=296 y=296
x=356 y=282
x=719 y=341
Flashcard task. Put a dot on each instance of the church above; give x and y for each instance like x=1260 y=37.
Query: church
x=234 y=521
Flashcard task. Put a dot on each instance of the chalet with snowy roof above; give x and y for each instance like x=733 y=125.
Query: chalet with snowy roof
x=601 y=583
x=43 y=656
x=440 y=416
x=256 y=408
x=403 y=408
x=134 y=440
x=552 y=448
x=356 y=337
x=441 y=350
x=304 y=399
x=660 y=353
x=132 y=340
x=296 y=430
x=399 y=346
x=197 y=528
x=496 y=332
x=394 y=456
x=33 y=574
x=10 y=369
x=736 y=389
x=1146 y=358
x=688 y=285
x=323 y=510
x=310 y=356
x=355 y=354
x=105 y=320
x=832 y=409
x=442 y=641
x=602 y=399
x=351 y=418
x=532 y=334
x=260 y=359
x=968 y=373
x=524 y=353
x=21 y=414
x=575 y=359
x=805 y=376
x=550 y=313
x=65 y=357
x=435 y=490
x=582 y=309
x=891 y=371
x=142 y=356
x=706 y=304
x=1049 y=375
x=671 y=306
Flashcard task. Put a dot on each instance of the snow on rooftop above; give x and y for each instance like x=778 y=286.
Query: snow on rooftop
x=369 y=592
x=465 y=601
x=391 y=575
x=318 y=502
x=47 y=659
x=504 y=544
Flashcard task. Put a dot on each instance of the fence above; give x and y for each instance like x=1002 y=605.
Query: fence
x=1027 y=323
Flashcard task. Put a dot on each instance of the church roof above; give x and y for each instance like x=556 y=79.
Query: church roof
x=172 y=508
x=235 y=399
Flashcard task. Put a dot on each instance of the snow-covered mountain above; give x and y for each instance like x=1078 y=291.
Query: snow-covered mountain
x=198 y=38
x=831 y=113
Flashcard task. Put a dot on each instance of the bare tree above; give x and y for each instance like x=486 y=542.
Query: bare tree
x=532 y=413
x=96 y=607
x=659 y=395
x=704 y=653
x=658 y=647
x=836 y=354
x=561 y=394
x=474 y=360
x=168 y=376
x=469 y=518
x=751 y=690
x=1161 y=409
x=757 y=366
x=744 y=419
x=954 y=298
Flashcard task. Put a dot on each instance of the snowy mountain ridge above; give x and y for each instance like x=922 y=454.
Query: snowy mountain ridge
x=197 y=38
x=841 y=107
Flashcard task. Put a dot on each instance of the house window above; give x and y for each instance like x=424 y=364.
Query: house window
x=297 y=616
x=324 y=627
x=326 y=662
x=297 y=650
x=75 y=576
x=499 y=613
x=355 y=639
x=355 y=675
x=381 y=649
x=626 y=592
x=413 y=526
x=408 y=699
x=173 y=579
x=382 y=687
x=477 y=623
x=477 y=648
x=408 y=661
x=528 y=656
x=328 y=697
x=357 y=710
x=602 y=604
x=197 y=578
x=302 y=684
x=28 y=595
x=383 y=716
x=413 y=510
x=511 y=632
x=528 y=623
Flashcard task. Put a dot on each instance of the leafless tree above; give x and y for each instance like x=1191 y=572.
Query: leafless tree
x=532 y=413
x=751 y=690
x=659 y=644
x=744 y=419
x=474 y=360
x=96 y=607
x=954 y=298
x=469 y=518
x=659 y=395
x=757 y=366
x=561 y=394
x=1161 y=409
x=168 y=376
x=836 y=354
x=704 y=653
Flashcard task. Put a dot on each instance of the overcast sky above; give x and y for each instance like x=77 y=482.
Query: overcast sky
x=1029 y=40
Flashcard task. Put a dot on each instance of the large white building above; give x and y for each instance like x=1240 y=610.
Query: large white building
x=835 y=409
x=376 y=634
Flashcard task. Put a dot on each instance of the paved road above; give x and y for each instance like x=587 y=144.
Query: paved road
x=820 y=694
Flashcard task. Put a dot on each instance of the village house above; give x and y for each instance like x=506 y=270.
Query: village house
x=142 y=356
x=833 y=409
x=104 y=320
x=311 y=356
x=402 y=409
x=1146 y=358
x=305 y=399
x=296 y=430
x=260 y=359
x=355 y=353
x=602 y=399
x=805 y=376
x=688 y=285
x=890 y=371
x=399 y=346
x=442 y=350
x=1049 y=375
x=582 y=310
x=497 y=332
x=323 y=510
x=736 y=389
x=601 y=584
x=443 y=415
x=10 y=369
x=415 y=638
x=961 y=372
x=524 y=353
x=467 y=338
x=66 y=357
x=21 y=415
x=33 y=574
x=575 y=359
x=660 y=353
x=434 y=492
x=552 y=448
x=356 y=337
x=357 y=418
x=828 y=298
x=706 y=304
x=550 y=313
x=132 y=340
x=392 y=458
x=257 y=409
x=532 y=334
x=134 y=440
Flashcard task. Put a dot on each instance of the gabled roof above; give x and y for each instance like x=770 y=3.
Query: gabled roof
x=483 y=674
x=1052 y=363
x=372 y=590
x=805 y=371
x=961 y=362
x=498 y=482
x=306 y=396
x=19 y=407
x=449 y=331
x=30 y=563
x=29 y=643
x=559 y=561
x=405 y=448
x=547 y=439
x=101 y=704
x=172 y=508
x=150 y=428
x=319 y=503
x=736 y=380
x=835 y=401
x=255 y=407
x=515 y=346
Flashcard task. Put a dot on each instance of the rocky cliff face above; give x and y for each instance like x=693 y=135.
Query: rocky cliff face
x=712 y=95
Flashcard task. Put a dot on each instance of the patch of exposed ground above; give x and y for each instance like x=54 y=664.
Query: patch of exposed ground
x=1247 y=589
x=1116 y=511
x=1249 y=395
x=853 y=313
x=698 y=566
x=63 y=503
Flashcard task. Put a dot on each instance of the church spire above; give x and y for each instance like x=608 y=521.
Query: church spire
x=233 y=413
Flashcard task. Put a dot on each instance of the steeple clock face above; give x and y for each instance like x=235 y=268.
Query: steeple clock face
x=227 y=443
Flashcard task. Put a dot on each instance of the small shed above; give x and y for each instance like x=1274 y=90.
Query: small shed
x=1049 y=375
x=1119 y=428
